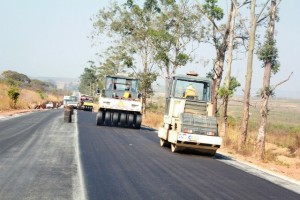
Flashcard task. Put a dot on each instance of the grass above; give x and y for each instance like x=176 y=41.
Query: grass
x=28 y=99
x=283 y=129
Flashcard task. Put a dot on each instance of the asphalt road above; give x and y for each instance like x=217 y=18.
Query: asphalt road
x=41 y=157
x=123 y=163
x=38 y=158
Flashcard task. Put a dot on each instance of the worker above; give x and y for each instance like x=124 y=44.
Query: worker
x=189 y=91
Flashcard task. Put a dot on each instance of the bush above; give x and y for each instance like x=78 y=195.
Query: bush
x=13 y=94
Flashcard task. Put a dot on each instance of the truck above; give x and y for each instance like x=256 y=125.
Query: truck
x=188 y=121
x=71 y=101
x=120 y=103
x=86 y=102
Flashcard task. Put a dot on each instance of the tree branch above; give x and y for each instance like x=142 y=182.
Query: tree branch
x=238 y=13
x=262 y=10
x=283 y=81
x=262 y=19
x=212 y=21
x=244 y=3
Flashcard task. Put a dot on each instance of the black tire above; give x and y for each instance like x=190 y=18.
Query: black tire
x=138 y=121
x=99 y=118
x=115 y=119
x=107 y=118
x=130 y=120
x=212 y=153
x=122 y=119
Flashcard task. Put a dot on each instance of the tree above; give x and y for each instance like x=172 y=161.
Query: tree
x=131 y=25
x=220 y=42
x=13 y=94
x=16 y=79
x=255 y=19
x=179 y=26
x=230 y=83
x=268 y=53
x=117 y=60
x=88 y=79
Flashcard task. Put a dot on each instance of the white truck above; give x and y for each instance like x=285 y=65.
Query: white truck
x=188 y=119
x=70 y=101
x=120 y=103
x=49 y=105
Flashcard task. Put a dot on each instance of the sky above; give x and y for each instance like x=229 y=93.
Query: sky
x=50 y=38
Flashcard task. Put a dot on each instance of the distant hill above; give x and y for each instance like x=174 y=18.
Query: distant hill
x=61 y=82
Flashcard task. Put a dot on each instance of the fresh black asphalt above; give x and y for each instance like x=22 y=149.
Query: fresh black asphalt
x=39 y=159
x=123 y=163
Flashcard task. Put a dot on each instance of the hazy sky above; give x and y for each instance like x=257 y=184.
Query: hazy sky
x=49 y=38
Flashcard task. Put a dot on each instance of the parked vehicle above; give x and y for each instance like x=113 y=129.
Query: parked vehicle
x=49 y=105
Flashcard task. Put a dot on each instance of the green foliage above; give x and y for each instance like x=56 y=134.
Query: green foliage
x=145 y=83
x=268 y=91
x=182 y=59
x=14 y=76
x=38 y=85
x=178 y=25
x=16 y=80
x=41 y=93
x=13 y=94
x=151 y=5
x=88 y=79
x=212 y=10
x=268 y=53
x=224 y=91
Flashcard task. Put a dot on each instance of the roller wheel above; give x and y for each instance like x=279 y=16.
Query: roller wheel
x=107 y=118
x=212 y=153
x=123 y=119
x=162 y=142
x=130 y=120
x=115 y=119
x=99 y=118
x=138 y=121
x=174 y=148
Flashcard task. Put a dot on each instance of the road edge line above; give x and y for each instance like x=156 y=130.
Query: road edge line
x=81 y=182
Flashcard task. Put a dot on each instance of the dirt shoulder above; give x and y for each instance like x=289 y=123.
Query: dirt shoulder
x=283 y=166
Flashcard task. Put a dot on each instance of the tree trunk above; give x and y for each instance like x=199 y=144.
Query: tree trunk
x=145 y=92
x=219 y=65
x=246 y=101
x=224 y=122
x=261 y=137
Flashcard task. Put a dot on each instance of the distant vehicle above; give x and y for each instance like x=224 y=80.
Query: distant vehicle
x=70 y=101
x=86 y=103
x=49 y=105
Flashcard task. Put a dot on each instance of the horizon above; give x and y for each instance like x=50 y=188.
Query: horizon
x=39 y=44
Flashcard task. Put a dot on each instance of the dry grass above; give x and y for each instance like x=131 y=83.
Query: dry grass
x=153 y=119
x=282 y=149
x=28 y=99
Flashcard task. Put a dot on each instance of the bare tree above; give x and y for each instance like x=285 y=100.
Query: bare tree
x=227 y=92
x=220 y=41
x=269 y=55
x=255 y=19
